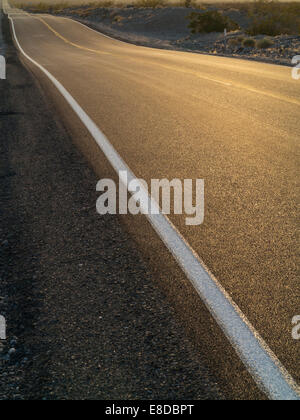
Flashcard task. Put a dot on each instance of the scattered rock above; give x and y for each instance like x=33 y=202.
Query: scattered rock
x=167 y=28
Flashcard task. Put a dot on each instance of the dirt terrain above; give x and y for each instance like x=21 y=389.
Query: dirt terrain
x=167 y=28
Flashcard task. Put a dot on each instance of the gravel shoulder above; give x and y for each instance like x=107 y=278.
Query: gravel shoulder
x=84 y=318
x=167 y=28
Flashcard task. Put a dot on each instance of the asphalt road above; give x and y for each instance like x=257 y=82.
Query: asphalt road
x=84 y=315
x=179 y=115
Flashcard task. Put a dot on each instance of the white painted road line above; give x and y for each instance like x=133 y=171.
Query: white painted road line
x=268 y=372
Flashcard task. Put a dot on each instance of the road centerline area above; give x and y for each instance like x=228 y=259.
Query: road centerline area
x=261 y=362
x=128 y=58
x=69 y=42
x=172 y=68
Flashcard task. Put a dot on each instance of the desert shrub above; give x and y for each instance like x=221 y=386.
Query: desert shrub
x=118 y=19
x=273 y=18
x=33 y=6
x=234 y=42
x=242 y=6
x=249 y=43
x=270 y=25
x=264 y=7
x=103 y=3
x=264 y=43
x=211 y=21
x=150 y=3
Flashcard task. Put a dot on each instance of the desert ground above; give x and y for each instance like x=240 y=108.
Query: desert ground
x=165 y=24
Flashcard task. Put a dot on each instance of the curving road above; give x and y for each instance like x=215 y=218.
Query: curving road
x=233 y=123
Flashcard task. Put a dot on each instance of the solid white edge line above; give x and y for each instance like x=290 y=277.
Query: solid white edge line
x=267 y=371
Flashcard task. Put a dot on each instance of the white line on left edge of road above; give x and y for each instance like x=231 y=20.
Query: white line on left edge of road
x=267 y=371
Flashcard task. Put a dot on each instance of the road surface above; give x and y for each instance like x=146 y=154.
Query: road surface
x=84 y=315
x=233 y=123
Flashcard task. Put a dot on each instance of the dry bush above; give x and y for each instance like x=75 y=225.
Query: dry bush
x=234 y=42
x=264 y=44
x=249 y=43
x=150 y=3
x=46 y=5
x=211 y=21
x=274 y=18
